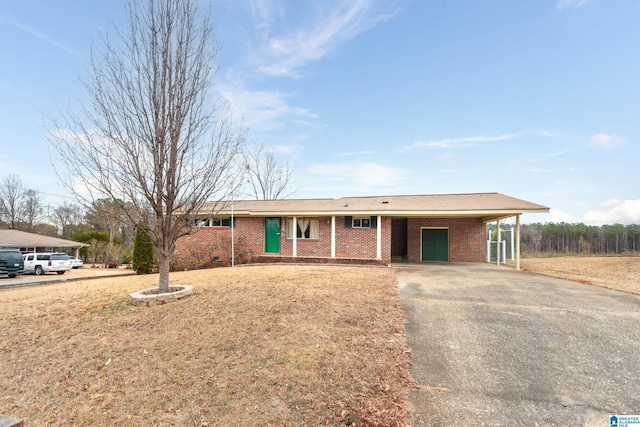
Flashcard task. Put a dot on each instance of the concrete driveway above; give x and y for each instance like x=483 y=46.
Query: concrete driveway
x=71 y=275
x=497 y=347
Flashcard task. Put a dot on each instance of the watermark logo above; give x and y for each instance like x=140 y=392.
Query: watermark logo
x=624 y=421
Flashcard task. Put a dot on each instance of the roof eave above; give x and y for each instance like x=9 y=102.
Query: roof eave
x=485 y=214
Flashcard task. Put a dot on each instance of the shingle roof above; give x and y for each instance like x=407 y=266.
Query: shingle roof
x=22 y=239
x=474 y=204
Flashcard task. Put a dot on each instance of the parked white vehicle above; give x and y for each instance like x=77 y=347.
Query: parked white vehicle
x=76 y=262
x=40 y=263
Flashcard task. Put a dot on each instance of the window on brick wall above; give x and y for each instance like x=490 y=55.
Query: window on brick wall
x=306 y=228
x=221 y=222
x=212 y=222
x=360 y=222
x=201 y=222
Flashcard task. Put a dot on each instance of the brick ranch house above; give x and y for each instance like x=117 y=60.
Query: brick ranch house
x=446 y=227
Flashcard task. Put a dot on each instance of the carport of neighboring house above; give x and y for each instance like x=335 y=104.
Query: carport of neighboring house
x=30 y=242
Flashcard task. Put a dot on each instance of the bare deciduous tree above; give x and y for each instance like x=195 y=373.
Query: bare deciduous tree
x=11 y=194
x=268 y=179
x=20 y=207
x=151 y=134
x=67 y=217
x=31 y=209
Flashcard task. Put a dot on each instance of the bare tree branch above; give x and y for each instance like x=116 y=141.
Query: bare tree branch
x=20 y=207
x=151 y=134
x=67 y=217
x=268 y=179
x=11 y=193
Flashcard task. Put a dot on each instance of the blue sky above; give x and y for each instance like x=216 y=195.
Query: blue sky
x=535 y=99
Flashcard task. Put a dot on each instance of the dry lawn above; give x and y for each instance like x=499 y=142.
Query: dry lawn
x=620 y=273
x=254 y=346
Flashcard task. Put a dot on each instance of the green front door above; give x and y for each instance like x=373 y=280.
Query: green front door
x=435 y=244
x=272 y=235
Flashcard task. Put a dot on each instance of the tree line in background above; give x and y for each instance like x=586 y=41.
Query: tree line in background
x=99 y=225
x=580 y=239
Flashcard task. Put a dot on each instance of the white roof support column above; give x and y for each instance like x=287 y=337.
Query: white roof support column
x=333 y=236
x=295 y=237
x=379 y=238
x=517 y=242
x=498 y=243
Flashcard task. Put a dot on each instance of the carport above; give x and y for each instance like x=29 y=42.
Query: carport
x=452 y=227
x=30 y=242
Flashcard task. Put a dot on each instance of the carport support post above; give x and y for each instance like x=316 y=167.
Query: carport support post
x=517 y=242
x=498 y=243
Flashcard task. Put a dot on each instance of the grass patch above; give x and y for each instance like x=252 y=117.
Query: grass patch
x=264 y=345
x=619 y=273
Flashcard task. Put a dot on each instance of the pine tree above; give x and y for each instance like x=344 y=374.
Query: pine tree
x=142 y=251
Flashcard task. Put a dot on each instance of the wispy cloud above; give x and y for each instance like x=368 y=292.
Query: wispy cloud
x=612 y=211
x=45 y=38
x=262 y=109
x=563 y=4
x=325 y=26
x=358 y=172
x=604 y=140
x=284 y=149
x=548 y=156
x=471 y=141
x=457 y=142
x=556 y=215
x=358 y=153
x=536 y=170
x=615 y=211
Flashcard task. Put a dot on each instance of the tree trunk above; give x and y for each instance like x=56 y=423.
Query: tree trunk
x=163 y=269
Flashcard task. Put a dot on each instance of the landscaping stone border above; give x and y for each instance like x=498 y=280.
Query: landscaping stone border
x=151 y=297
x=6 y=421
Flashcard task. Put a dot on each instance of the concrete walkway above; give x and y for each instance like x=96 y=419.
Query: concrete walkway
x=497 y=347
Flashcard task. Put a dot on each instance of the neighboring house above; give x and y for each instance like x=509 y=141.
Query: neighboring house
x=29 y=242
x=447 y=227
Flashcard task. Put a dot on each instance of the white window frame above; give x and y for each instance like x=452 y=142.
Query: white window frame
x=360 y=220
x=220 y=222
x=314 y=232
x=201 y=222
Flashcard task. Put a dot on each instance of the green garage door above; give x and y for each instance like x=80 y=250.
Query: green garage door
x=435 y=244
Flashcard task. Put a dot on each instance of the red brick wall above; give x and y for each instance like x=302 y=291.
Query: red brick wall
x=361 y=242
x=467 y=238
x=320 y=247
x=351 y=243
x=248 y=231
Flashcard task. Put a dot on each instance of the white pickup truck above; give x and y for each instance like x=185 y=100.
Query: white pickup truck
x=40 y=263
